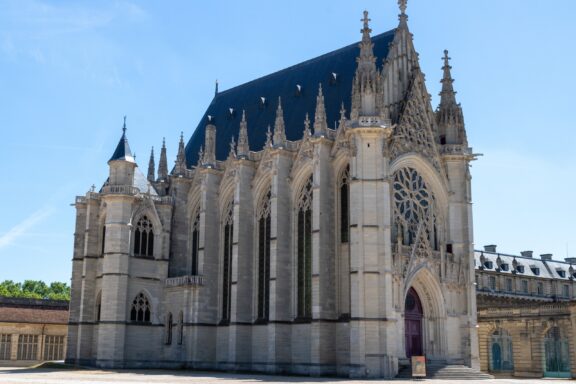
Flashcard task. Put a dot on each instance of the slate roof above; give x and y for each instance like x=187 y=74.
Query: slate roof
x=548 y=269
x=122 y=151
x=295 y=104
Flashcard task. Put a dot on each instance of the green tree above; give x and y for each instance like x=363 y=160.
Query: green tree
x=35 y=289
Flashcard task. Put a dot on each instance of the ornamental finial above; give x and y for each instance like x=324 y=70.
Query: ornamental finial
x=366 y=20
x=402 y=4
x=124 y=126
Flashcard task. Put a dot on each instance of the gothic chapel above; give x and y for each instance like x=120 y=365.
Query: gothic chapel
x=318 y=222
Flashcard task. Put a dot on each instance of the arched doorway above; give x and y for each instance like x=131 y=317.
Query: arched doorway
x=501 y=358
x=413 y=315
x=557 y=357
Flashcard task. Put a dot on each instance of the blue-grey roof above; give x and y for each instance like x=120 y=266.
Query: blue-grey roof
x=295 y=104
x=122 y=151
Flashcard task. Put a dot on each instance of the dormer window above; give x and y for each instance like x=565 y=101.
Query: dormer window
x=535 y=270
x=488 y=265
x=561 y=273
x=520 y=268
x=504 y=267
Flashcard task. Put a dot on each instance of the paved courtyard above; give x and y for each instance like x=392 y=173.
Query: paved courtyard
x=59 y=376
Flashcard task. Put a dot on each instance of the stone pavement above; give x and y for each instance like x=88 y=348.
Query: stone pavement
x=84 y=376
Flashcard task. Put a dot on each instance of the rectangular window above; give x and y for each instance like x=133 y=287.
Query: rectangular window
x=54 y=348
x=525 y=286
x=27 y=347
x=5 y=346
x=509 y=284
x=566 y=290
x=492 y=282
x=540 y=289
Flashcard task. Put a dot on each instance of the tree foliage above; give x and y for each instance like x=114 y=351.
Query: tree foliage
x=35 y=289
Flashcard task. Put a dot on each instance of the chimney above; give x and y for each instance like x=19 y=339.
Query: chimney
x=490 y=248
x=527 y=253
x=570 y=260
x=546 y=257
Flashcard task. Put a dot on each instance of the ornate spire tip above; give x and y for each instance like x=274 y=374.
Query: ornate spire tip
x=124 y=126
x=402 y=4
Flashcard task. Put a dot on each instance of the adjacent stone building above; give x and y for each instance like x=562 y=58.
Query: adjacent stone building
x=318 y=221
x=32 y=330
x=526 y=314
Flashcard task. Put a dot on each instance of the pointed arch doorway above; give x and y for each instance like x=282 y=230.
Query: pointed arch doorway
x=413 y=316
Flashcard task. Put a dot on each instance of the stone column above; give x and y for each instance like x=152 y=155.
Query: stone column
x=323 y=348
x=373 y=326
x=243 y=268
x=281 y=266
x=115 y=275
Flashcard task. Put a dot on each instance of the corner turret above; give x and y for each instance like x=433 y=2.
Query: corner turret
x=122 y=162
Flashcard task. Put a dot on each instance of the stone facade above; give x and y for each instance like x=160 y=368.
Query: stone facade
x=296 y=257
x=32 y=331
x=526 y=314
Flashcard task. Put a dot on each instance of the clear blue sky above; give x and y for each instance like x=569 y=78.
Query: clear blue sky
x=69 y=71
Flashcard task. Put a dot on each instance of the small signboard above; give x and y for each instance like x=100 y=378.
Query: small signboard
x=418 y=366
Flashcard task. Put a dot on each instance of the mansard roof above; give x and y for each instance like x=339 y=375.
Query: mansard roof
x=335 y=70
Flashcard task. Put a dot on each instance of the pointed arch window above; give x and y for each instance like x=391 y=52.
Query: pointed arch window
x=98 y=306
x=168 y=336
x=264 y=222
x=140 y=311
x=227 y=244
x=304 y=251
x=143 y=238
x=195 y=244
x=103 y=239
x=180 y=328
x=344 y=188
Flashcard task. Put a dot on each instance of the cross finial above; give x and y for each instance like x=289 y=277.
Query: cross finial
x=446 y=58
x=402 y=4
x=124 y=126
x=366 y=20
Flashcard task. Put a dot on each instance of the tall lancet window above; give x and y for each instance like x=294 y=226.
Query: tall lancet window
x=344 y=187
x=144 y=238
x=263 y=216
x=343 y=261
x=304 y=248
x=227 y=242
x=195 y=244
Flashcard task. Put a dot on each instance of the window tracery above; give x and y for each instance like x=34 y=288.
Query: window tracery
x=195 y=244
x=140 y=311
x=264 y=221
x=143 y=238
x=304 y=248
x=227 y=244
x=344 y=188
x=414 y=207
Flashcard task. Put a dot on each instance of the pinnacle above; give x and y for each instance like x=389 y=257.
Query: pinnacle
x=447 y=95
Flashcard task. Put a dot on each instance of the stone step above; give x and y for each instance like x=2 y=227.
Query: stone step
x=445 y=372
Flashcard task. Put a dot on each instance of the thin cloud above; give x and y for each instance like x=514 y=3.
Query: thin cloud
x=24 y=226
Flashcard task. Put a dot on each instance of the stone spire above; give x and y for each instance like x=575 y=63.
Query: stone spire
x=243 y=146
x=268 y=142
x=279 y=129
x=163 y=163
x=320 y=125
x=209 y=145
x=151 y=167
x=449 y=116
x=307 y=132
x=180 y=167
x=232 y=153
x=366 y=85
x=447 y=95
